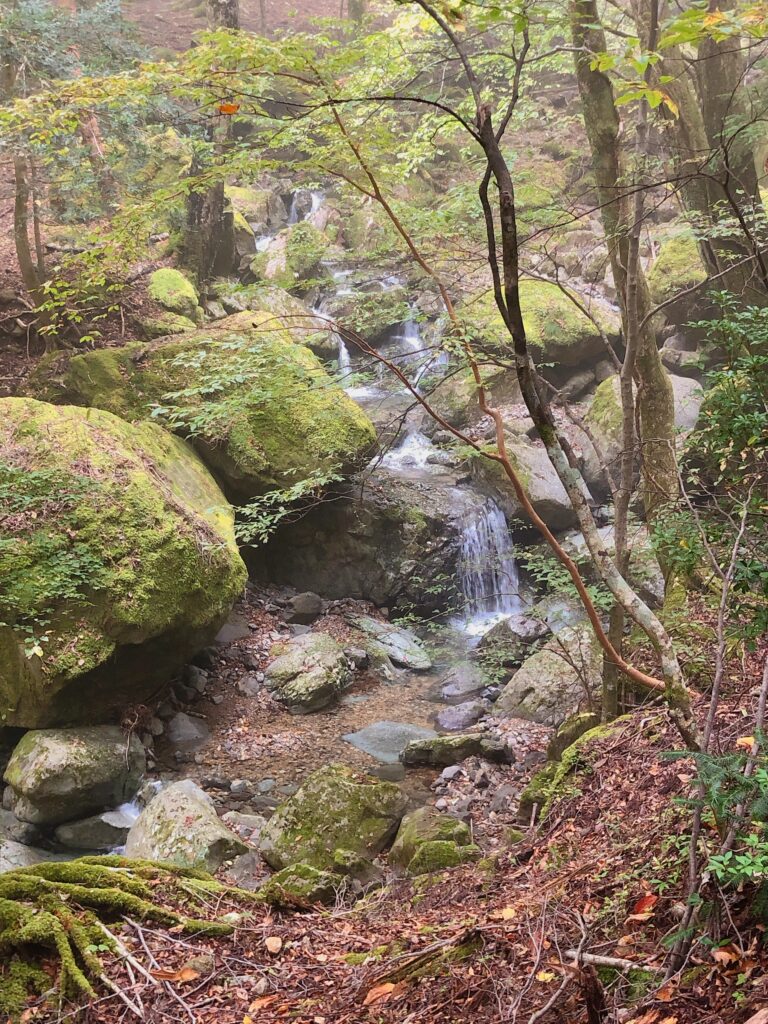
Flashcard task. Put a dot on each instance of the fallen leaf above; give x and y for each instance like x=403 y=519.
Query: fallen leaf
x=761 y=1017
x=647 y=1018
x=725 y=955
x=184 y=974
x=545 y=976
x=261 y=1002
x=274 y=944
x=747 y=743
x=645 y=903
x=665 y=993
x=379 y=993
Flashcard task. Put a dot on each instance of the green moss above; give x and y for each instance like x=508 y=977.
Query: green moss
x=440 y=854
x=426 y=825
x=677 y=266
x=174 y=292
x=556 y=330
x=300 y=884
x=139 y=547
x=162 y=326
x=18 y=981
x=263 y=411
x=305 y=249
x=605 y=410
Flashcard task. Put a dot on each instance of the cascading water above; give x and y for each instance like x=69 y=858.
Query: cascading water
x=487 y=569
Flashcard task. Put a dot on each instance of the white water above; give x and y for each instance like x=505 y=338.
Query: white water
x=412 y=453
x=487 y=570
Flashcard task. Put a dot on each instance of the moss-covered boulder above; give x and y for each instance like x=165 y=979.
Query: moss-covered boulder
x=560 y=679
x=572 y=729
x=393 y=642
x=58 y=775
x=180 y=826
x=426 y=825
x=263 y=209
x=174 y=292
x=440 y=854
x=293 y=259
x=261 y=411
x=447 y=750
x=309 y=672
x=166 y=324
x=534 y=797
x=335 y=809
x=557 y=331
x=300 y=885
x=117 y=562
x=678 y=265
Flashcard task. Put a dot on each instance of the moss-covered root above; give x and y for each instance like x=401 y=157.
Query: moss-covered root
x=59 y=908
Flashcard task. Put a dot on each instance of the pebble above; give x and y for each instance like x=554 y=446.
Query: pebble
x=239 y=787
x=217 y=698
x=441 y=804
x=266 y=785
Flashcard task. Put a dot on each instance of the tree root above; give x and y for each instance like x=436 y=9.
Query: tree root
x=61 y=908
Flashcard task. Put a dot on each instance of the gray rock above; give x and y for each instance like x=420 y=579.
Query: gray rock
x=180 y=826
x=386 y=740
x=100 y=832
x=248 y=826
x=461 y=716
x=556 y=681
x=196 y=677
x=304 y=608
x=358 y=656
x=388 y=772
x=266 y=785
x=186 y=733
x=58 y=775
x=16 y=855
x=250 y=685
x=447 y=750
x=426 y=825
x=236 y=627
x=559 y=612
x=462 y=681
x=449 y=773
x=309 y=673
x=508 y=641
x=398 y=644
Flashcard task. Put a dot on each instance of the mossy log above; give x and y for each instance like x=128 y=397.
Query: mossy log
x=62 y=909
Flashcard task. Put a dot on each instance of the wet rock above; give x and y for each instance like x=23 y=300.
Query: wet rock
x=186 y=733
x=386 y=740
x=462 y=681
x=398 y=644
x=180 y=826
x=334 y=809
x=461 y=716
x=57 y=775
x=559 y=612
x=100 y=832
x=447 y=750
x=389 y=772
x=304 y=608
x=309 y=673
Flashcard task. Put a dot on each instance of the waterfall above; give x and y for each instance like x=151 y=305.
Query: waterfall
x=487 y=567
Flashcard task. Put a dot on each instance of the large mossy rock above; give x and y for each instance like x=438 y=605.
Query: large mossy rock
x=261 y=410
x=557 y=331
x=58 y=775
x=117 y=562
x=309 y=672
x=180 y=826
x=334 y=810
x=678 y=265
x=447 y=750
x=555 y=682
x=394 y=642
x=175 y=293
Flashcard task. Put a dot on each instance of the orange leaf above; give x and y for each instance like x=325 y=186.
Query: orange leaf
x=184 y=974
x=745 y=741
x=261 y=1002
x=645 y=903
x=725 y=956
x=229 y=108
x=274 y=944
x=379 y=993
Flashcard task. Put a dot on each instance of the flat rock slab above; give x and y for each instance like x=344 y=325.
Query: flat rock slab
x=461 y=716
x=387 y=740
x=236 y=627
x=461 y=682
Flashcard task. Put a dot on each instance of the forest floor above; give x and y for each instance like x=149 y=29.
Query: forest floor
x=493 y=941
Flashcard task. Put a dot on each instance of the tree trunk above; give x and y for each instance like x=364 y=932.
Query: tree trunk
x=27 y=264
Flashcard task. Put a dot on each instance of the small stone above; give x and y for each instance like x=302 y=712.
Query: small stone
x=441 y=804
x=304 y=608
x=250 y=685
x=199 y=759
x=165 y=710
x=156 y=726
x=239 y=786
x=450 y=772
x=266 y=785
x=460 y=716
x=216 y=782
x=196 y=677
x=357 y=656
x=185 y=694
x=217 y=698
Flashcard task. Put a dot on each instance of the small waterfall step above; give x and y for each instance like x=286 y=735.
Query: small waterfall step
x=488 y=571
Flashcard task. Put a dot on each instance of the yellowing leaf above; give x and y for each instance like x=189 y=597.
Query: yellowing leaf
x=745 y=741
x=545 y=976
